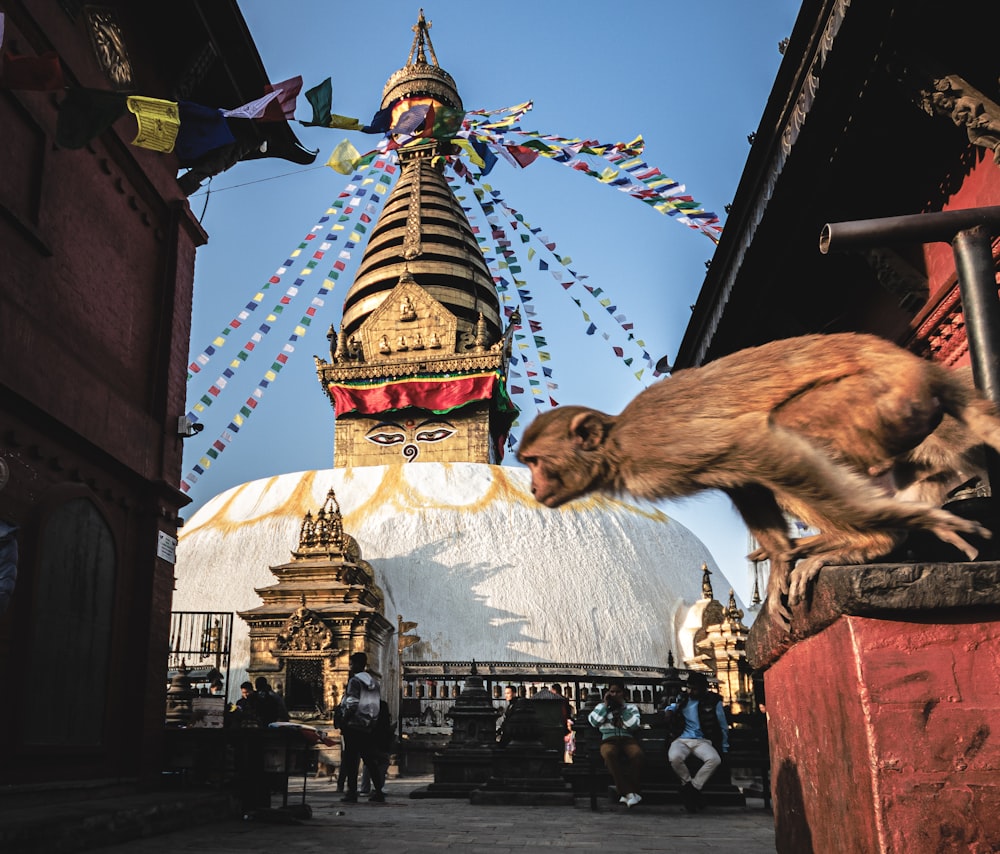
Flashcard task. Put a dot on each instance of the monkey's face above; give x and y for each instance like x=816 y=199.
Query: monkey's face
x=563 y=449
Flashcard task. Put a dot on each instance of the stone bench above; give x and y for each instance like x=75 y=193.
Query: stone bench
x=588 y=774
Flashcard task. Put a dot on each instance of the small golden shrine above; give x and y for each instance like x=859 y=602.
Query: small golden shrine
x=418 y=368
x=325 y=606
x=720 y=648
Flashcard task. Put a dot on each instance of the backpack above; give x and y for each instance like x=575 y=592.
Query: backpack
x=365 y=714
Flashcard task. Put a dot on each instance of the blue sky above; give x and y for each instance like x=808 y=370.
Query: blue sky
x=692 y=78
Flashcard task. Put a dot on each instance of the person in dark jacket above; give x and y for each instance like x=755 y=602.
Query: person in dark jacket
x=268 y=704
x=697 y=723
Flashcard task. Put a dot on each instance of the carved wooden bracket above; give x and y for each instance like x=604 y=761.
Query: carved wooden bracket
x=967 y=107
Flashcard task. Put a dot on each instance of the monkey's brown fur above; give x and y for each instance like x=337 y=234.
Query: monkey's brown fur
x=803 y=425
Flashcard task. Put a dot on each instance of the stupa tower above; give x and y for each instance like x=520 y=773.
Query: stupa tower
x=417 y=370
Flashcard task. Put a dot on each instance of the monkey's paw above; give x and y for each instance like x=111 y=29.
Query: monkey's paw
x=801 y=576
x=948 y=532
x=778 y=610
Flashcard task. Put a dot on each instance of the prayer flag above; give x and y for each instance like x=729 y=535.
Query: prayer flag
x=522 y=156
x=202 y=129
x=321 y=99
x=412 y=120
x=158 y=122
x=282 y=108
x=87 y=113
x=343 y=158
x=447 y=122
x=252 y=109
x=345 y=123
x=487 y=155
x=36 y=73
x=380 y=122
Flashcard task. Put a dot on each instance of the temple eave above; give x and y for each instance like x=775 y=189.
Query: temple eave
x=384 y=371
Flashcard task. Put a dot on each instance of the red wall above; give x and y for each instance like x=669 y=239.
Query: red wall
x=97 y=251
x=891 y=743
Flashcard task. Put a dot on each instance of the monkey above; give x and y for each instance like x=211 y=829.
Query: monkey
x=802 y=425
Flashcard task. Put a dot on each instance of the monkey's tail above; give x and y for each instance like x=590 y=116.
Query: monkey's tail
x=961 y=400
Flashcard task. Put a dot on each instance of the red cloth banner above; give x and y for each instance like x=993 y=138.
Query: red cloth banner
x=437 y=395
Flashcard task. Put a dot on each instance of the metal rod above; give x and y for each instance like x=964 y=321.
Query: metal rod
x=977 y=284
x=939 y=227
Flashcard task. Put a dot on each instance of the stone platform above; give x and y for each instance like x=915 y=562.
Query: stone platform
x=882 y=705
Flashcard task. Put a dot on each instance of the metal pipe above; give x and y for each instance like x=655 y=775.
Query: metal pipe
x=939 y=227
x=977 y=284
x=973 y=249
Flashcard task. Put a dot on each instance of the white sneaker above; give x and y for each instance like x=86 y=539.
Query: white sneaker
x=633 y=799
x=623 y=799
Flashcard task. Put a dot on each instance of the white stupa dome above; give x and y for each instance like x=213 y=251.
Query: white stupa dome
x=465 y=551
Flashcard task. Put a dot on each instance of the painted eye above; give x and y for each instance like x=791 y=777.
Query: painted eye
x=434 y=435
x=384 y=437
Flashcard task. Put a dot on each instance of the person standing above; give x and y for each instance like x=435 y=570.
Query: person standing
x=268 y=704
x=617 y=721
x=697 y=723
x=360 y=712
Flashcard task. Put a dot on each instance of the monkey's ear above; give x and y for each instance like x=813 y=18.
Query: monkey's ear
x=589 y=429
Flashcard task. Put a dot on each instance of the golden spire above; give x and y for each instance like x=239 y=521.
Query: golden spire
x=421 y=35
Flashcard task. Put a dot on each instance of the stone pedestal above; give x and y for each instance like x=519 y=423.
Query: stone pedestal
x=466 y=762
x=525 y=771
x=882 y=710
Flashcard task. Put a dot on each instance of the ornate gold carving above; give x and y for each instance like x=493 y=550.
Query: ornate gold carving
x=412 y=247
x=386 y=332
x=324 y=534
x=109 y=46
x=328 y=373
x=304 y=631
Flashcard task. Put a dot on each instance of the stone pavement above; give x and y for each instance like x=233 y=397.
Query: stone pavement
x=431 y=826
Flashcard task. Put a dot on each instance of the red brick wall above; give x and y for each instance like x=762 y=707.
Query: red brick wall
x=97 y=250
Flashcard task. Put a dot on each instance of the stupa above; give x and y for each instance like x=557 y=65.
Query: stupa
x=417 y=378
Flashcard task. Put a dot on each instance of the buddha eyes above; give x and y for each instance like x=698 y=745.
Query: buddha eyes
x=395 y=434
x=380 y=437
x=434 y=435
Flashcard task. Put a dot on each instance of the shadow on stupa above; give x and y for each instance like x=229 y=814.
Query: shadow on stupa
x=455 y=605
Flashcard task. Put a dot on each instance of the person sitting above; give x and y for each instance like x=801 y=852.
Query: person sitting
x=243 y=713
x=617 y=720
x=696 y=722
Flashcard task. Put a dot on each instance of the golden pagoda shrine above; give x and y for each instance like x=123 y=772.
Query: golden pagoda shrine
x=325 y=606
x=417 y=370
x=719 y=646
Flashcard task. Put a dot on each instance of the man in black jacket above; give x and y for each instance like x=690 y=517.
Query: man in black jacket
x=697 y=723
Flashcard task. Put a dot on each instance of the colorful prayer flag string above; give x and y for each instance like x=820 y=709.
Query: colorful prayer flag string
x=628 y=172
x=337 y=209
x=367 y=211
x=490 y=200
x=518 y=299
